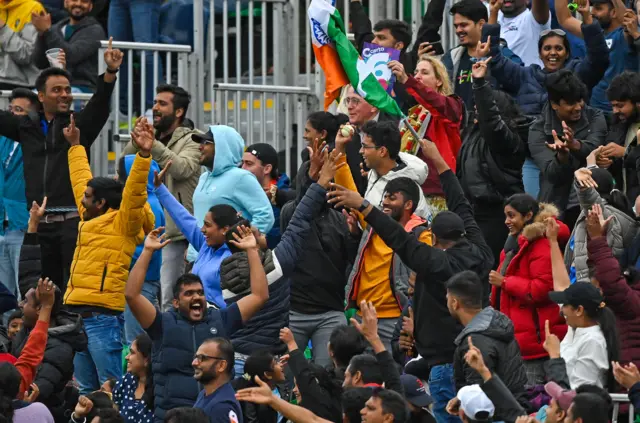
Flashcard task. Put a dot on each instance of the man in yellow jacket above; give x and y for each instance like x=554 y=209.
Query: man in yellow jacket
x=113 y=221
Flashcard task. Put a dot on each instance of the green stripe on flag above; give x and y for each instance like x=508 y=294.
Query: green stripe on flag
x=349 y=56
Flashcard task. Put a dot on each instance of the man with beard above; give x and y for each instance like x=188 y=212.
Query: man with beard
x=624 y=95
x=213 y=369
x=173 y=144
x=520 y=27
x=561 y=139
x=622 y=36
x=79 y=36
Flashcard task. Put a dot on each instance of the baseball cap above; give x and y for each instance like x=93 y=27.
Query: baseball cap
x=415 y=392
x=448 y=225
x=564 y=397
x=199 y=138
x=265 y=153
x=579 y=294
x=475 y=403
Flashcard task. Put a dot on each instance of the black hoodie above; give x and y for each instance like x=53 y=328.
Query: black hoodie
x=65 y=339
x=493 y=334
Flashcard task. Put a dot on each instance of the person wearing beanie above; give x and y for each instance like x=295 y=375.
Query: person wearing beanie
x=458 y=245
x=261 y=159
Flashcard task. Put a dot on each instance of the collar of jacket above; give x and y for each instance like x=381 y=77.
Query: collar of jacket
x=536 y=229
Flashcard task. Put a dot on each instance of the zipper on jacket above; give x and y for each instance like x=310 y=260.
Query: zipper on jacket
x=70 y=285
x=104 y=276
x=195 y=350
x=44 y=173
x=537 y=325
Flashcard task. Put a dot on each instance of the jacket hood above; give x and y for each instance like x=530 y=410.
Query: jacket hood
x=69 y=330
x=229 y=148
x=536 y=230
x=283 y=181
x=128 y=163
x=491 y=323
x=8 y=5
x=415 y=168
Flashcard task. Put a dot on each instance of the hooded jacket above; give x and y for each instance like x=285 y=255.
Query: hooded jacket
x=182 y=177
x=621 y=232
x=153 y=273
x=18 y=39
x=524 y=295
x=492 y=333
x=556 y=177
x=435 y=329
x=226 y=183
x=13 y=201
x=106 y=243
x=65 y=339
x=81 y=49
x=527 y=83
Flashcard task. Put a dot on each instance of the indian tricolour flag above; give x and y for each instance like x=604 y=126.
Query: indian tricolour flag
x=341 y=62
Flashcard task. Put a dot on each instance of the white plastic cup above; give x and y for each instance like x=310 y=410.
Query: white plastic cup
x=52 y=56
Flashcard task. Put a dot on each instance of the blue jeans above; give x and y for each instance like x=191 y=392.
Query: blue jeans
x=531 y=178
x=10 y=245
x=103 y=357
x=442 y=390
x=138 y=21
x=132 y=328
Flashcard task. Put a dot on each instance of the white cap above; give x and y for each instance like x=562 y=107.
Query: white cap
x=475 y=403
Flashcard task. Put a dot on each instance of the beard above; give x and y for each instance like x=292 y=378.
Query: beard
x=207 y=377
x=604 y=23
x=619 y=117
x=164 y=123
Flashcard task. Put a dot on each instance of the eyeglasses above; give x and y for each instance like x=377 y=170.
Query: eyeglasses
x=363 y=145
x=352 y=100
x=207 y=142
x=558 y=32
x=203 y=357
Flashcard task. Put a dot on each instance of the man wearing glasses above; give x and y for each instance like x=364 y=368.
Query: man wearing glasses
x=213 y=367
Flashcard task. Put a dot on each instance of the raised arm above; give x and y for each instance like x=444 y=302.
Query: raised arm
x=252 y=303
x=79 y=169
x=184 y=164
x=505 y=71
x=591 y=69
x=540 y=11
x=559 y=273
x=566 y=19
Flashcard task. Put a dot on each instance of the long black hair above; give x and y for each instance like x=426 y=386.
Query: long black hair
x=9 y=386
x=523 y=204
x=606 y=189
x=325 y=121
x=607 y=322
x=144 y=344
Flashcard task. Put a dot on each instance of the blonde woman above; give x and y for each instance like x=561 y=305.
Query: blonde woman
x=438 y=115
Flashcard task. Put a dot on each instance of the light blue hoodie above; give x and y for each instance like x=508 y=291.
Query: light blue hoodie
x=228 y=184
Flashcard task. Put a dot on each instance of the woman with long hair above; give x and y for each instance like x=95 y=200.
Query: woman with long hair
x=591 y=343
x=523 y=280
x=134 y=392
x=13 y=410
x=440 y=111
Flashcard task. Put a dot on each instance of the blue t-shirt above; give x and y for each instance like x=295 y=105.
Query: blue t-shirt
x=221 y=406
x=621 y=58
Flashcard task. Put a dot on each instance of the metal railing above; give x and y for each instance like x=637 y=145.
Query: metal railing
x=619 y=399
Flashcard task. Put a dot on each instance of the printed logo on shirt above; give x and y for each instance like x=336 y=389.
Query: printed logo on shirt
x=510 y=28
x=213 y=331
x=465 y=76
x=609 y=43
x=233 y=418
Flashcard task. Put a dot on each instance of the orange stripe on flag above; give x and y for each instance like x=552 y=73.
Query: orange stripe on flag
x=335 y=77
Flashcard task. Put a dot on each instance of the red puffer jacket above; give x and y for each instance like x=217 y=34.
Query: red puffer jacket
x=622 y=299
x=524 y=295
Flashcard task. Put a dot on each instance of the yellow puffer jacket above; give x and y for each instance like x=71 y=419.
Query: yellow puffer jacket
x=106 y=244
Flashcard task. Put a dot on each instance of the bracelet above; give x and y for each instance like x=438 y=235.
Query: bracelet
x=113 y=71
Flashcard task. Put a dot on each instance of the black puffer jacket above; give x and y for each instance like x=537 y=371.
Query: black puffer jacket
x=493 y=334
x=492 y=154
x=30 y=267
x=65 y=339
x=259 y=413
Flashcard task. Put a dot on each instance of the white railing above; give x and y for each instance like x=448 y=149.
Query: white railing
x=619 y=399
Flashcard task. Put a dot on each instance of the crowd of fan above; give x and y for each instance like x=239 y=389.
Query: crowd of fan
x=491 y=276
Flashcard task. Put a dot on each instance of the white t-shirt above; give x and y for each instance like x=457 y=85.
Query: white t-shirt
x=521 y=34
x=584 y=351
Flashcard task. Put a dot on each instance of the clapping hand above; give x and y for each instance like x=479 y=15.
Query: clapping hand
x=158 y=178
x=143 y=136
x=72 y=132
x=329 y=167
x=626 y=376
x=156 y=239
x=551 y=342
x=41 y=21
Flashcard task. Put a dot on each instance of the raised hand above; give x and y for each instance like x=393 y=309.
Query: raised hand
x=316 y=157
x=143 y=136
x=584 y=178
x=35 y=214
x=474 y=359
x=398 y=70
x=329 y=168
x=570 y=142
x=245 y=240
x=41 y=21
x=596 y=223
x=344 y=136
x=369 y=326
x=32 y=396
x=340 y=196
x=479 y=69
x=551 y=229
x=158 y=178
x=260 y=395
x=286 y=336
x=45 y=292
x=83 y=407
x=155 y=240
x=113 y=57
x=71 y=132
x=352 y=222
x=426 y=48
x=551 y=342
x=482 y=49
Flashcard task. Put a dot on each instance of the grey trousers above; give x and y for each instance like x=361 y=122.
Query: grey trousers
x=318 y=328
x=172 y=268
x=385 y=330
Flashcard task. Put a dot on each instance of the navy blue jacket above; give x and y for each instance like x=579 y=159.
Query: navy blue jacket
x=527 y=83
x=263 y=329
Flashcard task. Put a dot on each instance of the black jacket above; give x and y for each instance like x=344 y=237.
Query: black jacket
x=81 y=49
x=493 y=334
x=45 y=155
x=65 y=339
x=492 y=154
x=435 y=329
x=30 y=266
x=631 y=167
x=399 y=355
x=618 y=134
x=320 y=276
x=503 y=399
x=259 y=413
x=8 y=301
x=556 y=177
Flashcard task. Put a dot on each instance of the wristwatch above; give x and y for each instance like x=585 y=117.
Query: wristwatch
x=364 y=205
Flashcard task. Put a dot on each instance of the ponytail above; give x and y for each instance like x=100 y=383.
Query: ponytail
x=606 y=189
x=620 y=201
x=607 y=322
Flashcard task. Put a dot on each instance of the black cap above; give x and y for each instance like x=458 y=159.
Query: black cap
x=601 y=2
x=448 y=225
x=199 y=138
x=415 y=392
x=265 y=153
x=579 y=294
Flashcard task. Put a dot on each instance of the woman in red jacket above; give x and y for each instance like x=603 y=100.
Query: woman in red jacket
x=522 y=283
x=443 y=113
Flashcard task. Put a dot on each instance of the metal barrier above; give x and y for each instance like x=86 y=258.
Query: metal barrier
x=281 y=117
x=621 y=399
